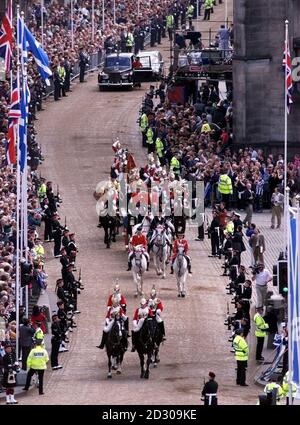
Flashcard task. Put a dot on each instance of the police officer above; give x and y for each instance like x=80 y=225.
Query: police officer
x=241 y=349
x=37 y=363
x=260 y=332
x=209 y=391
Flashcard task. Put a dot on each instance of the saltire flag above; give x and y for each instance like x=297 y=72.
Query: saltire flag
x=39 y=54
x=24 y=96
x=14 y=115
x=6 y=37
x=287 y=64
x=294 y=297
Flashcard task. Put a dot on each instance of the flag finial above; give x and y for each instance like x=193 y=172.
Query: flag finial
x=286 y=22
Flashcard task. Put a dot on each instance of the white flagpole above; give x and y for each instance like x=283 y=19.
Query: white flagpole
x=17 y=290
x=72 y=24
x=42 y=21
x=289 y=270
x=114 y=11
x=103 y=14
x=286 y=200
x=93 y=20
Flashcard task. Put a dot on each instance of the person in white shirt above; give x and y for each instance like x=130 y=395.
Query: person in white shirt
x=262 y=278
x=277 y=202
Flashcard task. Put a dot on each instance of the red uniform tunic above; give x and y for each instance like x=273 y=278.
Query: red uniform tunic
x=137 y=313
x=182 y=242
x=159 y=305
x=122 y=300
x=111 y=312
x=139 y=240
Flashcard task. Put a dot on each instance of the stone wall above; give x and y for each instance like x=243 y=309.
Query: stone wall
x=258 y=76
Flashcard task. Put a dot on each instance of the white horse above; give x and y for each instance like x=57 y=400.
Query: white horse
x=180 y=267
x=138 y=267
x=161 y=251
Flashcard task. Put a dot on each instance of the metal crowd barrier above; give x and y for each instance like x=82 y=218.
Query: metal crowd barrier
x=95 y=60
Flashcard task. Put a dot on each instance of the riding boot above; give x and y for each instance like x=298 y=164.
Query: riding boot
x=133 y=342
x=190 y=268
x=162 y=328
x=129 y=266
x=147 y=266
x=103 y=340
x=172 y=271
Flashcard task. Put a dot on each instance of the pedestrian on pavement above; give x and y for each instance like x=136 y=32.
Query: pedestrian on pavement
x=37 y=363
x=224 y=36
x=248 y=197
x=56 y=340
x=260 y=332
x=262 y=277
x=258 y=246
x=83 y=61
x=26 y=332
x=241 y=349
x=277 y=202
x=209 y=391
x=207 y=9
x=10 y=368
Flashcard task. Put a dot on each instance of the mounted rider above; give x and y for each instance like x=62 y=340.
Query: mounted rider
x=156 y=306
x=122 y=302
x=115 y=313
x=180 y=241
x=139 y=239
x=140 y=314
x=160 y=220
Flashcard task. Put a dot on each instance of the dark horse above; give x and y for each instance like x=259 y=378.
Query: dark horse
x=109 y=225
x=148 y=342
x=116 y=346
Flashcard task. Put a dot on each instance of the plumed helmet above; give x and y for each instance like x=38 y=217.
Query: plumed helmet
x=143 y=302
x=116 y=288
x=153 y=292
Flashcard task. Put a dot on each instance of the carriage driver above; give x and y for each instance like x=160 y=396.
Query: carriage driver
x=122 y=301
x=139 y=317
x=180 y=241
x=115 y=312
x=157 y=307
x=138 y=239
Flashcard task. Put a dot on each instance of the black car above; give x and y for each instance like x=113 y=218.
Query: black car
x=117 y=71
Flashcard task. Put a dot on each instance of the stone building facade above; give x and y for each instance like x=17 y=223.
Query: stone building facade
x=258 y=77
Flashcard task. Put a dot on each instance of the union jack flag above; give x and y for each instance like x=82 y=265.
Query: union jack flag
x=6 y=37
x=287 y=63
x=14 y=115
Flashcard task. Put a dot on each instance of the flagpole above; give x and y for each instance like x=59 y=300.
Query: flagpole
x=72 y=24
x=286 y=200
x=18 y=206
x=42 y=21
x=93 y=20
x=103 y=13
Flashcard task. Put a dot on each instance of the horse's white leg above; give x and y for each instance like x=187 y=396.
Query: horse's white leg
x=156 y=264
x=163 y=268
x=135 y=281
